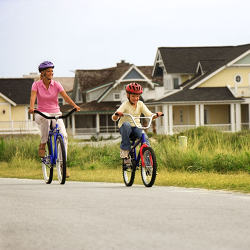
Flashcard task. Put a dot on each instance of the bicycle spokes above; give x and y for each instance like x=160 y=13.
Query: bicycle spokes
x=128 y=171
x=47 y=166
x=61 y=161
x=148 y=171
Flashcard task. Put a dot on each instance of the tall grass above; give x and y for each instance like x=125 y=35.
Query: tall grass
x=208 y=150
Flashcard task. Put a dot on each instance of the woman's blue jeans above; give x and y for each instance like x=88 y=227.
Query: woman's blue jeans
x=127 y=131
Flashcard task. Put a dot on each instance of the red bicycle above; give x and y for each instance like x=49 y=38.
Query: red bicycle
x=144 y=160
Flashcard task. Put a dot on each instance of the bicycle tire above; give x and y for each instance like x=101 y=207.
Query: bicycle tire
x=61 y=160
x=128 y=172
x=47 y=167
x=149 y=170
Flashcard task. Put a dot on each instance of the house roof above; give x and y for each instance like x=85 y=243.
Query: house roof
x=94 y=107
x=185 y=59
x=16 y=89
x=210 y=94
x=89 y=79
x=67 y=82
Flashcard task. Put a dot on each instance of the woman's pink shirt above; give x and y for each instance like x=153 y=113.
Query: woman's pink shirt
x=47 y=99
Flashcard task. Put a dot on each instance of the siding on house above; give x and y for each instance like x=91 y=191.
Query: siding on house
x=227 y=77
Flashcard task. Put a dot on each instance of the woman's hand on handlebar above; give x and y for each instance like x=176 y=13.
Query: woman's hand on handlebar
x=77 y=108
x=31 y=110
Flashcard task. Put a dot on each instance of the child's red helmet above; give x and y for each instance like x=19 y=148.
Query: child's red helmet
x=134 y=88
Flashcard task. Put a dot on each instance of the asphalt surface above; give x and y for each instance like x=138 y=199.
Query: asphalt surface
x=88 y=216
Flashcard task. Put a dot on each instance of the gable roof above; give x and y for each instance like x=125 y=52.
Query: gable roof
x=89 y=79
x=94 y=107
x=185 y=59
x=16 y=89
x=7 y=99
x=66 y=81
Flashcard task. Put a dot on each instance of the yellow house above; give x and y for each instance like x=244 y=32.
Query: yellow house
x=203 y=86
x=14 y=104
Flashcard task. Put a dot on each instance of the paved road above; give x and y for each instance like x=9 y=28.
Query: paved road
x=100 y=216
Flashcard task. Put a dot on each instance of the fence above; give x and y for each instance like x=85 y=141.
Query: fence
x=18 y=127
x=30 y=127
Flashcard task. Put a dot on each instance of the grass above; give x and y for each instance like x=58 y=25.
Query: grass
x=230 y=182
x=212 y=160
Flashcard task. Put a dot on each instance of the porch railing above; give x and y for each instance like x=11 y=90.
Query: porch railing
x=18 y=127
x=180 y=128
x=220 y=127
x=245 y=126
x=109 y=129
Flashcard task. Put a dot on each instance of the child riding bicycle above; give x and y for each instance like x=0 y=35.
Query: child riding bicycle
x=134 y=107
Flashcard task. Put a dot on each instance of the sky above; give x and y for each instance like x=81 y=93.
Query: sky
x=96 y=34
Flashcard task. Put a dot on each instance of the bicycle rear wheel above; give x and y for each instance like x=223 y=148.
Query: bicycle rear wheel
x=128 y=171
x=61 y=160
x=148 y=171
x=47 y=167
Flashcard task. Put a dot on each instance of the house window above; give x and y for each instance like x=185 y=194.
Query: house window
x=176 y=83
x=79 y=95
x=238 y=79
x=205 y=116
x=60 y=101
x=116 y=96
x=181 y=116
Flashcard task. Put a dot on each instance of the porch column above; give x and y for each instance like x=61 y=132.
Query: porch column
x=73 y=125
x=165 y=118
x=238 y=117
x=157 y=121
x=197 y=116
x=68 y=122
x=232 y=117
x=170 y=117
x=97 y=123
x=202 y=114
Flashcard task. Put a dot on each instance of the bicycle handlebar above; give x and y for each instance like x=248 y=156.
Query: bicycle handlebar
x=146 y=117
x=55 y=117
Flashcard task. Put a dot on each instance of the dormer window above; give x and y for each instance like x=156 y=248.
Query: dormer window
x=176 y=82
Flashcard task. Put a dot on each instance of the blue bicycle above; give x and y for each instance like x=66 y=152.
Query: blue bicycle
x=55 y=151
x=145 y=160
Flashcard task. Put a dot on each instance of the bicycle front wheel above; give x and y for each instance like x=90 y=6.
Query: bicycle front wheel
x=128 y=171
x=47 y=167
x=148 y=171
x=61 y=160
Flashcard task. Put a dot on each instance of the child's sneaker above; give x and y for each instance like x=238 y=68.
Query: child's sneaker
x=127 y=161
x=124 y=153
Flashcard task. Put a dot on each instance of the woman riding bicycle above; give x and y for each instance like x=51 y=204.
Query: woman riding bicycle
x=46 y=91
x=134 y=107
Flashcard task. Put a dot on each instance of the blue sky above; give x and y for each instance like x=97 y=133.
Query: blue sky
x=92 y=34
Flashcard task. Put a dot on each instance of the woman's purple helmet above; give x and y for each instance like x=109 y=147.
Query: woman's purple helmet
x=45 y=65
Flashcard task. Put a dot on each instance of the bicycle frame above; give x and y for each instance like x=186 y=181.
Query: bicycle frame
x=142 y=140
x=54 y=132
x=145 y=160
x=135 y=143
